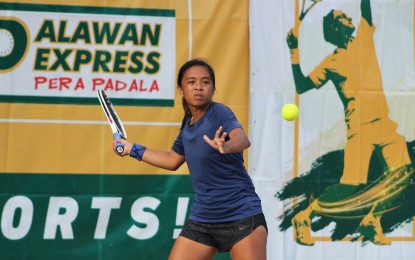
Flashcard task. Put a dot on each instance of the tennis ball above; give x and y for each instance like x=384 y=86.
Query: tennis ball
x=290 y=112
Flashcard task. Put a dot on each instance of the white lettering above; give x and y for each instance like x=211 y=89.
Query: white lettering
x=144 y=217
x=105 y=205
x=9 y=213
x=54 y=218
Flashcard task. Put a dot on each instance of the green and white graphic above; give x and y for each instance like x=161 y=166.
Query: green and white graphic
x=365 y=187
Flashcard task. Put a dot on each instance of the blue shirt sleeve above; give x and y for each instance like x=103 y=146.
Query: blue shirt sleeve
x=178 y=144
x=230 y=122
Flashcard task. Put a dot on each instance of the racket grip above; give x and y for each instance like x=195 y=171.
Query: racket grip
x=119 y=148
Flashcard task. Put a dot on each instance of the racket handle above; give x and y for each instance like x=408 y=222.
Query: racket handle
x=118 y=147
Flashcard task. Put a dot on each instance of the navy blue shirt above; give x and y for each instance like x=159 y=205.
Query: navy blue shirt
x=223 y=189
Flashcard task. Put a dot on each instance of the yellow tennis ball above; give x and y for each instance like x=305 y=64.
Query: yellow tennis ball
x=290 y=112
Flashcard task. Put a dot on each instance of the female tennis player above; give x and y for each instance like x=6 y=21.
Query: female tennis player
x=226 y=214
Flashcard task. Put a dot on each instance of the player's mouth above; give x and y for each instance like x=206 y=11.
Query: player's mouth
x=198 y=96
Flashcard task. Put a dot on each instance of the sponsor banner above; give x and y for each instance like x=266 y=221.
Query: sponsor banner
x=92 y=204
x=63 y=54
x=73 y=136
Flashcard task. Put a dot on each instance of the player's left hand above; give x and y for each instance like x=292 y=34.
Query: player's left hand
x=218 y=141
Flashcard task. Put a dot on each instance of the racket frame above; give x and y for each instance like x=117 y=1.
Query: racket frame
x=113 y=119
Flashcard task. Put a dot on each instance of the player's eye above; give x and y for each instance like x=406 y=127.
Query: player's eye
x=342 y=16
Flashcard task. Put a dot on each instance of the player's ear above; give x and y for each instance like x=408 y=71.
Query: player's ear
x=180 y=91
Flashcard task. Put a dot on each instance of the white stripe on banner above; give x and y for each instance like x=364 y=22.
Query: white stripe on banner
x=83 y=122
x=189 y=3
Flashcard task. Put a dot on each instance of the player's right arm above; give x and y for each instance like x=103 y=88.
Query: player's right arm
x=302 y=83
x=163 y=159
x=168 y=160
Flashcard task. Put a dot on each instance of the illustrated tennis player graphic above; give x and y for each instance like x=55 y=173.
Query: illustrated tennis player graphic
x=363 y=188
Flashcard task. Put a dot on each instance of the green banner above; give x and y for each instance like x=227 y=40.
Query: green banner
x=92 y=216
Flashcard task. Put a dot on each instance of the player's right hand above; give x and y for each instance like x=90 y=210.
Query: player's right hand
x=125 y=143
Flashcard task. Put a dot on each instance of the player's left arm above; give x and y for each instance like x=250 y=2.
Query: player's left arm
x=366 y=10
x=238 y=141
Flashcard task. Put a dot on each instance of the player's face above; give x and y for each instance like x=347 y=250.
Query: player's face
x=197 y=86
x=343 y=20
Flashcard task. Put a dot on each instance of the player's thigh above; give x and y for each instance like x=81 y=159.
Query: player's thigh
x=185 y=248
x=253 y=247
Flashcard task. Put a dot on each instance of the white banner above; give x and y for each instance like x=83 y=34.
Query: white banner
x=71 y=51
x=295 y=162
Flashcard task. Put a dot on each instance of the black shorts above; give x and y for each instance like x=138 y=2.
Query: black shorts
x=222 y=236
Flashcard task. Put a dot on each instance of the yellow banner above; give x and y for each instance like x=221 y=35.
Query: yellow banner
x=52 y=137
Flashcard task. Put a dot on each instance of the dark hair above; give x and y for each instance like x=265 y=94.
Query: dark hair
x=329 y=29
x=333 y=30
x=183 y=69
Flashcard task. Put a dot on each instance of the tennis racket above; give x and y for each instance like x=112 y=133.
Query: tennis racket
x=113 y=119
x=304 y=12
